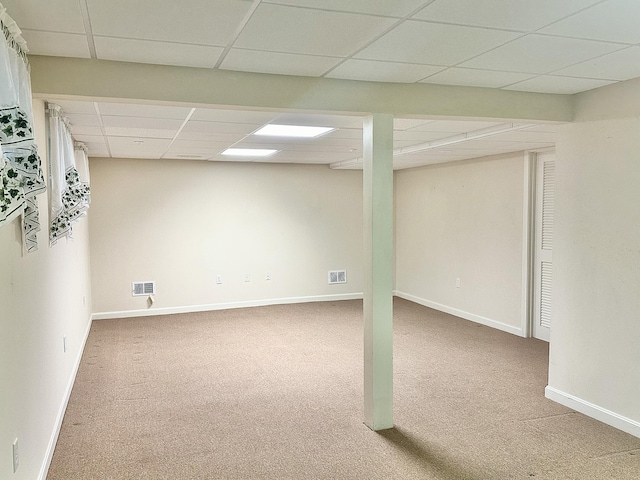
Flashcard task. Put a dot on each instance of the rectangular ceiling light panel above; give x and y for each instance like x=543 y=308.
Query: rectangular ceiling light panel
x=273 y=130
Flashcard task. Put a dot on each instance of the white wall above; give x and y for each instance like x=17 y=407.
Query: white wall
x=595 y=338
x=181 y=223
x=41 y=299
x=463 y=220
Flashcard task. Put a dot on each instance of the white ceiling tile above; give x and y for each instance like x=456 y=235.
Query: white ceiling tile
x=85 y=130
x=298 y=30
x=72 y=106
x=56 y=44
x=407 y=123
x=524 y=136
x=198 y=145
x=161 y=53
x=210 y=137
x=476 y=78
x=561 y=85
x=146 y=143
x=138 y=110
x=544 y=127
x=220 y=127
x=175 y=155
x=81 y=119
x=353 y=133
x=201 y=22
x=454 y=126
x=90 y=139
x=396 y=8
x=58 y=16
x=378 y=71
x=417 y=136
x=433 y=44
x=138 y=132
x=277 y=63
x=142 y=122
x=620 y=65
x=233 y=116
x=523 y=15
x=612 y=21
x=128 y=153
x=533 y=54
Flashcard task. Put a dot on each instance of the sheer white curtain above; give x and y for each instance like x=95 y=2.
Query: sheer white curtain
x=69 y=193
x=21 y=177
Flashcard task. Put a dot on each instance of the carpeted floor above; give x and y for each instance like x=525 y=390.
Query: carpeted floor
x=276 y=393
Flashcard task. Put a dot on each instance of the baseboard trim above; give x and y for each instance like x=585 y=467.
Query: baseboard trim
x=225 y=306
x=594 y=411
x=460 y=313
x=44 y=469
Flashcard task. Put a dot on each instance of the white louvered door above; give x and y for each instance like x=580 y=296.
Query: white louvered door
x=543 y=258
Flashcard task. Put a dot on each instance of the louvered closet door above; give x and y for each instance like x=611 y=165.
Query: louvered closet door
x=543 y=271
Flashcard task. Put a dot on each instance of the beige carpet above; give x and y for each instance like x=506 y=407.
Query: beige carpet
x=276 y=393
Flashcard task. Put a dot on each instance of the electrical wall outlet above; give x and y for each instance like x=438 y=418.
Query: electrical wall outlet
x=16 y=457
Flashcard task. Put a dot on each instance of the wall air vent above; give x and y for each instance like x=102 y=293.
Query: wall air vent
x=143 y=289
x=337 y=276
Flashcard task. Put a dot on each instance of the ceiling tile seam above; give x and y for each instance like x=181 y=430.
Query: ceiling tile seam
x=237 y=32
x=377 y=37
x=189 y=115
x=584 y=61
x=569 y=15
x=102 y=129
x=288 y=53
x=587 y=39
x=86 y=20
x=347 y=12
x=535 y=74
x=169 y=42
x=551 y=72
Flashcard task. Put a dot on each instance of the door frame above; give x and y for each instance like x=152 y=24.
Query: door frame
x=530 y=161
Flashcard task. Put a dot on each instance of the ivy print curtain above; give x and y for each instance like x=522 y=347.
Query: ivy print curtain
x=21 y=177
x=69 y=190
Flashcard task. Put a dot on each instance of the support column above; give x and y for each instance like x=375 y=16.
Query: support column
x=378 y=270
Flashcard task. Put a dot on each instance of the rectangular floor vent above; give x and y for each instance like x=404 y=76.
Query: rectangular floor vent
x=337 y=276
x=143 y=288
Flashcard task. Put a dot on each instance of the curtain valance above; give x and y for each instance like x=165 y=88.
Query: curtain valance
x=69 y=192
x=21 y=176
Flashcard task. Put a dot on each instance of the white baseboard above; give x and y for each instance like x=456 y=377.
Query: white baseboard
x=44 y=469
x=594 y=411
x=225 y=306
x=460 y=313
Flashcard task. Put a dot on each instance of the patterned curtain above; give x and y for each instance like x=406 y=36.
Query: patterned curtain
x=21 y=177
x=69 y=192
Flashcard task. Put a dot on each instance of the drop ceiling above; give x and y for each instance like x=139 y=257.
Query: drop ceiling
x=548 y=46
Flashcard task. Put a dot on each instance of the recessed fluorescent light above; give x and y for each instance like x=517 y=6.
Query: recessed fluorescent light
x=292 y=131
x=248 y=152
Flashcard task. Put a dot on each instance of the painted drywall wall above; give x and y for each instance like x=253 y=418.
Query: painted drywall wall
x=183 y=223
x=595 y=336
x=44 y=296
x=463 y=221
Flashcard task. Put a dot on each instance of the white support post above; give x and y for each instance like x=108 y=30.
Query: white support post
x=378 y=269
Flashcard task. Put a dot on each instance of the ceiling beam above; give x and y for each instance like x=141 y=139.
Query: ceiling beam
x=102 y=79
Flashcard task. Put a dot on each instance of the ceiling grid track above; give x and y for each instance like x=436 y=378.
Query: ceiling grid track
x=237 y=33
x=86 y=20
